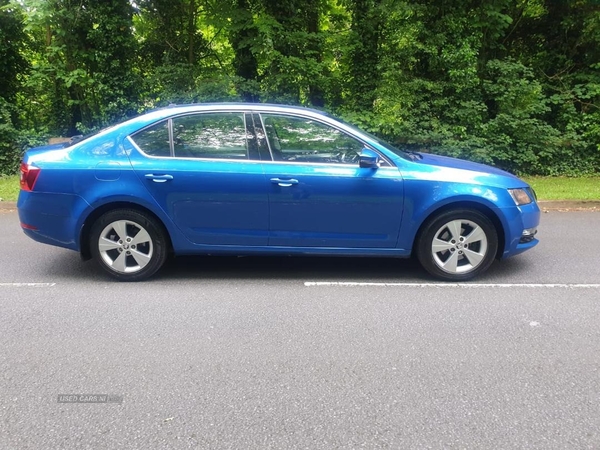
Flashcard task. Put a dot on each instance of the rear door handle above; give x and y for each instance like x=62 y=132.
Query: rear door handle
x=284 y=183
x=158 y=178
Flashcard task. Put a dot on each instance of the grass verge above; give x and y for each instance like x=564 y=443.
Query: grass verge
x=562 y=188
x=547 y=188
x=9 y=188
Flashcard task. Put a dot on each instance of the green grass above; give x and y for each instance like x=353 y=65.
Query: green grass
x=562 y=188
x=547 y=188
x=9 y=188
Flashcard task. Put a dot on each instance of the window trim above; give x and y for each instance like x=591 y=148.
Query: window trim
x=267 y=140
x=171 y=138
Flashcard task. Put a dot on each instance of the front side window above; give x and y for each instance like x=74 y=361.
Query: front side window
x=211 y=135
x=299 y=139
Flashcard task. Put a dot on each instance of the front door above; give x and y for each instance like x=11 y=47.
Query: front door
x=319 y=196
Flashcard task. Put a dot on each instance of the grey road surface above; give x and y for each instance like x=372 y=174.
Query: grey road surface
x=290 y=353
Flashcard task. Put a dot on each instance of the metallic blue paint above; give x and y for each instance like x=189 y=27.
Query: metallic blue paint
x=262 y=207
x=211 y=202
x=369 y=218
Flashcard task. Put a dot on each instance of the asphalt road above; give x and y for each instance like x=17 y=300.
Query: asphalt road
x=255 y=353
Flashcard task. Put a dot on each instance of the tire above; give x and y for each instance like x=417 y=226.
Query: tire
x=457 y=245
x=129 y=245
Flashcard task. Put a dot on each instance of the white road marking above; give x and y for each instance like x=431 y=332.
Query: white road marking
x=455 y=285
x=27 y=284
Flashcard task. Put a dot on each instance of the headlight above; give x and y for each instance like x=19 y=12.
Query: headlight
x=520 y=196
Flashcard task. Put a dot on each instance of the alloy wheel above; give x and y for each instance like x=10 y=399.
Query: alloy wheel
x=459 y=246
x=125 y=246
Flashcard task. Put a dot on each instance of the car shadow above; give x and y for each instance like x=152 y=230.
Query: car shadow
x=292 y=268
x=66 y=265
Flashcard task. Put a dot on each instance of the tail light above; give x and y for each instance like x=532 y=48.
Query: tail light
x=29 y=176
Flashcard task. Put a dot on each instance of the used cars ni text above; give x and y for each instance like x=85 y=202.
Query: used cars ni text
x=246 y=179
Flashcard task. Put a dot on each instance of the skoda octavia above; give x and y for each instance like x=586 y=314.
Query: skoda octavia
x=245 y=179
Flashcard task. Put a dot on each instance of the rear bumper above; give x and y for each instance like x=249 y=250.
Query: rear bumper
x=51 y=218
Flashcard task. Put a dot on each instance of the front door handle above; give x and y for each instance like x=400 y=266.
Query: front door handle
x=284 y=183
x=158 y=178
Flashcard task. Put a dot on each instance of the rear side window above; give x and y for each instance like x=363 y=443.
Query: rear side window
x=154 y=140
x=211 y=135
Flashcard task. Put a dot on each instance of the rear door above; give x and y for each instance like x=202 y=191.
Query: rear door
x=204 y=171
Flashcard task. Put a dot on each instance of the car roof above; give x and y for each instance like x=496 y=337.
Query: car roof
x=236 y=105
x=244 y=105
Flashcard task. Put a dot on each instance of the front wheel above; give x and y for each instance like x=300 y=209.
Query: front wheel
x=128 y=244
x=457 y=245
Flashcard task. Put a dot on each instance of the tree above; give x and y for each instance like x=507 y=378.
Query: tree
x=12 y=43
x=363 y=62
x=244 y=38
x=13 y=68
x=510 y=82
x=84 y=61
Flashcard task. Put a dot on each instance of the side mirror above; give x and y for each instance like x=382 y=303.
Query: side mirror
x=368 y=159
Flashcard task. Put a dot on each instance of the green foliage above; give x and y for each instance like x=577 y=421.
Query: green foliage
x=448 y=86
x=83 y=62
x=9 y=150
x=182 y=84
x=507 y=82
x=12 y=45
x=170 y=32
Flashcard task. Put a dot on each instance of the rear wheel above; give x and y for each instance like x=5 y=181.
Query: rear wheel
x=129 y=245
x=457 y=245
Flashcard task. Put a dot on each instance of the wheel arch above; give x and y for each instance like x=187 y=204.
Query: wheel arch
x=84 y=234
x=465 y=204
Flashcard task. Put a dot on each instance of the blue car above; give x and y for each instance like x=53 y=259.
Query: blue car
x=259 y=179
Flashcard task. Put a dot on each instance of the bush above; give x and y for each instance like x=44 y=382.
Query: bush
x=10 y=153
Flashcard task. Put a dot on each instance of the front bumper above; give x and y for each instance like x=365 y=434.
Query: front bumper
x=520 y=228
